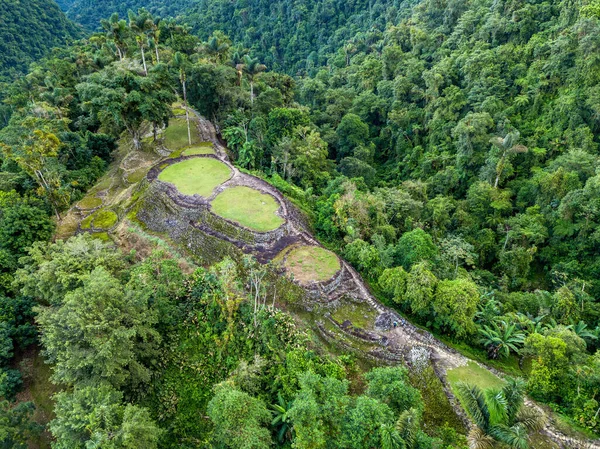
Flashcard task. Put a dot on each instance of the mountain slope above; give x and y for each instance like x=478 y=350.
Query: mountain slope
x=285 y=35
x=28 y=30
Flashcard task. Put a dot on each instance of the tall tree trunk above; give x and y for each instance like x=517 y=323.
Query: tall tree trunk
x=252 y=92
x=187 y=113
x=144 y=60
x=499 y=169
x=156 y=50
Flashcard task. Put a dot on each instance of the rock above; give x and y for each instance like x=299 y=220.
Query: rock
x=384 y=321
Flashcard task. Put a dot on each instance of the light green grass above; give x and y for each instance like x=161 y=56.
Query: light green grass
x=473 y=374
x=199 y=149
x=102 y=219
x=311 y=263
x=248 y=207
x=178 y=111
x=196 y=176
x=176 y=137
x=137 y=175
x=89 y=202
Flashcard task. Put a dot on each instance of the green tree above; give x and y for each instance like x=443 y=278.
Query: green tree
x=415 y=246
x=501 y=339
x=120 y=98
x=318 y=411
x=16 y=425
x=51 y=270
x=500 y=415
x=94 y=416
x=351 y=133
x=391 y=386
x=239 y=419
x=101 y=332
x=455 y=304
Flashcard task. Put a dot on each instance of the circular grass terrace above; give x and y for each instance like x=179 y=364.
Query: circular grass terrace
x=248 y=207
x=311 y=264
x=196 y=176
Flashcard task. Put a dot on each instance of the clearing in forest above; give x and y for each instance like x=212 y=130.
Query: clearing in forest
x=311 y=264
x=176 y=135
x=196 y=176
x=248 y=207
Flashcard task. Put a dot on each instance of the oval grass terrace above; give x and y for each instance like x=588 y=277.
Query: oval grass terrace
x=249 y=208
x=196 y=175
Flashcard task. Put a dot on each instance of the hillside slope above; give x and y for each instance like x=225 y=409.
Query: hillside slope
x=28 y=30
x=285 y=35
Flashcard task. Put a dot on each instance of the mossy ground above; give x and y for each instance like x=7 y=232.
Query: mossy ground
x=196 y=176
x=89 y=202
x=359 y=313
x=311 y=263
x=248 y=207
x=176 y=136
x=102 y=219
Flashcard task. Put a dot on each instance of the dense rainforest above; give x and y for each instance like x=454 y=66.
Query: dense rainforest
x=28 y=31
x=447 y=149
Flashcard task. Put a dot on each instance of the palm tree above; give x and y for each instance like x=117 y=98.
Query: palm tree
x=281 y=420
x=181 y=63
x=507 y=145
x=499 y=415
x=140 y=24
x=251 y=67
x=217 y=47
x=116 y=30
x=501 y=339
x=390 y=437
x=581 y=330
x=402 y=435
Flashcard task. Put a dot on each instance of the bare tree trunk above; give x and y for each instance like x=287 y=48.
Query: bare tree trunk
x=252 y=92
x=44 y=184
x=187 y=113
x=137 y=141
x=499 y=169
x=144 y=60
x=156 y=50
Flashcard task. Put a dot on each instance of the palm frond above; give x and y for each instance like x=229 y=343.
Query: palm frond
x=478 y=439
x=514 y=393
x=408 y=426
x=474 y=402
x=531 y=419
x=496 y=405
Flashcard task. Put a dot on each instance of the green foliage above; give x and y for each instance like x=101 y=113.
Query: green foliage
x=95 y=415
x=29 y=31
x=95 y=334
x=415 y=246
x=239 y=419
x=390 y=385
x=455 y=304
x=15 y=425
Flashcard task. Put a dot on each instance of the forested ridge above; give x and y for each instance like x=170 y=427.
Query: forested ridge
x=448 y=150
x=28 y=31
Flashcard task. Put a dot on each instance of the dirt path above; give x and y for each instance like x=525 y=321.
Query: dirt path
x=400 y=334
